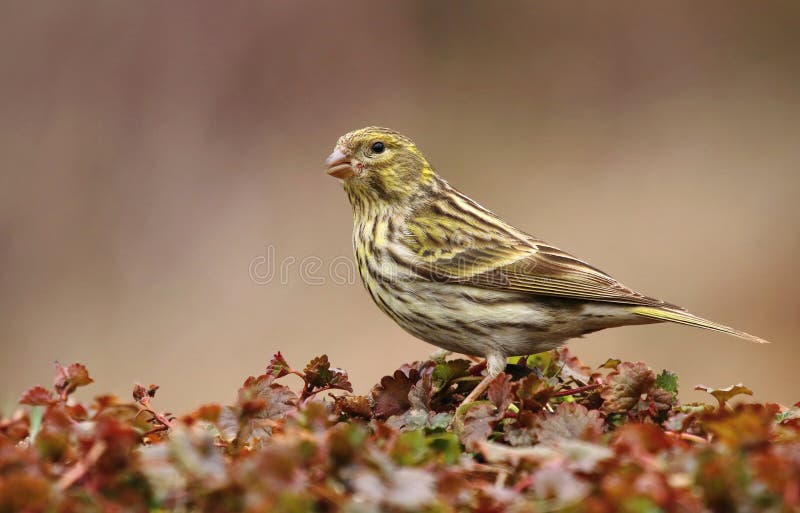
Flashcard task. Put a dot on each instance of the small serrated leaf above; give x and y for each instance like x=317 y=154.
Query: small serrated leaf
x=571 y=421
x=391 y=395
x=625 y=386
x=37 y=396
x=667 y=380
x=317 y=373
x=474 y=422
x=340 y=380
x=278 y=366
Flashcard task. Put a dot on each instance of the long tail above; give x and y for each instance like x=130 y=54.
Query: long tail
x=692 y=320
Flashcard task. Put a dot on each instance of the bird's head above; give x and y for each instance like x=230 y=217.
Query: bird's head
x=380 y=163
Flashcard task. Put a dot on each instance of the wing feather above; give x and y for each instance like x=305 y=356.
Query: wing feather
x=461 y=242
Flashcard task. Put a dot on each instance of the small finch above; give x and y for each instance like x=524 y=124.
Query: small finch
x=453 y=274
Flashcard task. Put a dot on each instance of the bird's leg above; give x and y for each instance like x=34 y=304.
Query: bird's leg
x=495 y=363
x=478 y=390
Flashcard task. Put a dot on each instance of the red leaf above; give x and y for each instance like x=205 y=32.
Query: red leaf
x=625 y=386
x=521 y=432
x=747 y=425
x=419 y=397
x=570 y=421
x=260 y=403
x=499 y=391
x=477 y=423
x=640 y=440
x=318 y=374
x=37 y=396
x=278 y=366
x=352 y=406
x=339 y=380
x=67 y=379
x=534 y=392
x=208 y=412
x=140 y=394
x=391 y=396
x=571 y=366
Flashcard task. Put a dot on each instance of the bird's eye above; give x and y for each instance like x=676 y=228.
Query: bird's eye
x=378 y=147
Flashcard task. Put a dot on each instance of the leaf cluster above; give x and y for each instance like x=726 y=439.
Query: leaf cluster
x=549 y=434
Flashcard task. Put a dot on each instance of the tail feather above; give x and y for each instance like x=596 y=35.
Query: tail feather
x=680 y=317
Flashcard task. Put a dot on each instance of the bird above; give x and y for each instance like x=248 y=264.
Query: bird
x=454 y=274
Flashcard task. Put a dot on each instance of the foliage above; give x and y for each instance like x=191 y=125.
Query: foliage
x=550 y=434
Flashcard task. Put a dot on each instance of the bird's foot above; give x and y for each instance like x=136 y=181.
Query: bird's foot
x=494 y=365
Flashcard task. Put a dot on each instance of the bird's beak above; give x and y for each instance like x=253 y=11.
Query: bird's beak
x=339 y=165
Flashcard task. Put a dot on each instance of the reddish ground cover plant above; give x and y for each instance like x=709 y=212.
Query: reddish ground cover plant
x=551 y=434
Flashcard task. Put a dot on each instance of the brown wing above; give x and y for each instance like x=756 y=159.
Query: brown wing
x=548 y=271
x=456 y=240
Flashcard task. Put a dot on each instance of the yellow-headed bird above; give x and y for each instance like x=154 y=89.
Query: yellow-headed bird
x=453 y=274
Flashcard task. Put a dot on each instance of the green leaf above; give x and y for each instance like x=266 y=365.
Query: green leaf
x=611 y=363
x=641 y=505
x=540 y=361
x=439 y=421
x=410 y=448
x=447 y=445
x=789 y=414
x=37 y=414
x=419 y=420
x=446 y=372
x=668 y=381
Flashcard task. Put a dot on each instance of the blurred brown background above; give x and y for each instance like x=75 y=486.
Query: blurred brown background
x=150 y=152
